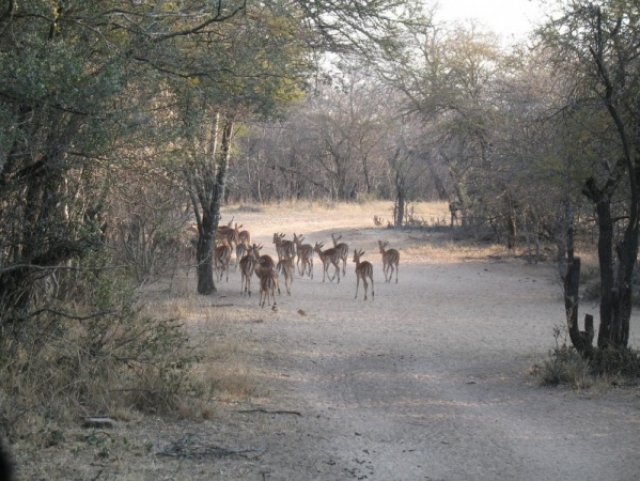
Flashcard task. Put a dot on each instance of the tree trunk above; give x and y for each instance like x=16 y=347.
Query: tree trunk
x=605 y=260
x=206 y=189
x=401 y=201
x=615 y=290
x=204 y=255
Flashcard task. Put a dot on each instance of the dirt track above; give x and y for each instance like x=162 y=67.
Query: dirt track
x=426 y=382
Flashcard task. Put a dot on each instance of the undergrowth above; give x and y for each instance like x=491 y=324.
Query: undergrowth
x=565 y=366
x=90 y=353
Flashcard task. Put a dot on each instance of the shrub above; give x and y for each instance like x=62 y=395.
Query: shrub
x=91 y=354
x=566 y=366
x=622 y=363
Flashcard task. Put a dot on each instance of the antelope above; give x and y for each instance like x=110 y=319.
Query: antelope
x=268 y=284
x=305 y=254
x=364 y=269
x=329 y=256
x=284 y=248
x=390 y=258
x=266 y=261
x=264 y=264
x=222 y=257
x=242 y=249
x=247 y=266
x=243 y=235
x=227 y=234
x=343 y=249
x=286 y=267
x=266 y=272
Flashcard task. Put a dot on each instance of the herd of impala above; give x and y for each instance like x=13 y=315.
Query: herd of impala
x=293 y=255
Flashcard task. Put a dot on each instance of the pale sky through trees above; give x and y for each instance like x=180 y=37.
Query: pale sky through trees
x=512 y=19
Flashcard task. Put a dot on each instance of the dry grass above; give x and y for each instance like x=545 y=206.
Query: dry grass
x=312 y=216
x=223 y=374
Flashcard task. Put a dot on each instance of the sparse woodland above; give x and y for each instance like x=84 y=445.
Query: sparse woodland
x=125 y=126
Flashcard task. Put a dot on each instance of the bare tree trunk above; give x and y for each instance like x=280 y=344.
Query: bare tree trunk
x=401 y=201
x=207 y=189
x=615 y=290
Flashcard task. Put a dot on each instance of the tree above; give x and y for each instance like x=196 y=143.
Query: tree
x=600 y=43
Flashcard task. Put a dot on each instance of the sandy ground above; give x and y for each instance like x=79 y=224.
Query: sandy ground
x=428 y=381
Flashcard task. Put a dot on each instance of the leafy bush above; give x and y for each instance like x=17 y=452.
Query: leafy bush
x=92 y=354
x=622 y=363
x=566 y=366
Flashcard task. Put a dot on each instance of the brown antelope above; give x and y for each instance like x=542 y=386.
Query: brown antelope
x=227 y=234
x=364 y=269
x=305 y=255
x=266 y=261
x=222 y=257
x=330 y=256
x=243 y=235
x=284 y=248
x=268 y=284
x=285 y=266
x=390 y=258
x=247 y=266
x=343 y=249
x=264 y=265
x=242 y=249
x=266 y=272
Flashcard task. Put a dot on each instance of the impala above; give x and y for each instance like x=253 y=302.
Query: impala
x=264 y=265
x=305 y=255
x=247 y=266
x=390 y=258
x=265 y=270
x=343 y=249
x=284 y=248
x=268 y=284
x=227 y=234
x=222 y=257
x=242 y=249
x=330 y=256
x=364 y=269
x=243 y=235
x=285 y=266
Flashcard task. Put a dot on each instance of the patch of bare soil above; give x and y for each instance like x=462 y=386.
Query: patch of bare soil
x=428 y=381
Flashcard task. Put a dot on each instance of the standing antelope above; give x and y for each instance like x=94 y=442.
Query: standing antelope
x=242 y=249
x=243 y=235
x=390 y=258
x=364 y=269
x=343 y=249
x=264 y=265
x=247 y=266
x=330 y=256
x=305 y=254
x=284 y=248
x=222 y=257
x=266 y=272
x=227 y=234
x=268 y=284
x=285 y=266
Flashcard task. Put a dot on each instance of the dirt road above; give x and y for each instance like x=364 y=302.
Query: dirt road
x=426 y=382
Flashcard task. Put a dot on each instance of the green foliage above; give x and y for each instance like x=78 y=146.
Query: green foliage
x=623 y=363
x=103 y=358
x=565 y=366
